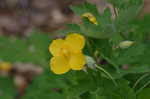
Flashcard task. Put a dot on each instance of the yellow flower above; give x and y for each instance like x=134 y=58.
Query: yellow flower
x=67 y=54
x=5 y=66
x=90 y=17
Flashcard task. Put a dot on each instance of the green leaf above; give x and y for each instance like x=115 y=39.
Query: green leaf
x=122 y=22
x=85 y=7
x=130 y=55
x=45 y=86
x=132 y=69
x=124 y=4
x=105 y=17
x=123 y=91
x=7 y=89
x=96 y=31
x=144 y=94
x=34 y=49
x=73 y=28
x=81 y=86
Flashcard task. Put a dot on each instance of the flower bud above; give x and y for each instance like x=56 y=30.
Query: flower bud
x=5 y=66
x=126 y=44
x=90 y=62
x=90 y=17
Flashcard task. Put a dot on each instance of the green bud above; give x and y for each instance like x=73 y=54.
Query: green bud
x=90 y=62
x=126 y=44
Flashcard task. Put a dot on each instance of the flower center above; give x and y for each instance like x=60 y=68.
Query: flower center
x=65 y=51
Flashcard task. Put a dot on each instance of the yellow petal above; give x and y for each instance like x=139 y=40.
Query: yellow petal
x=55 y=46
x=75 y=41
x=77 y=61
x=59 y=65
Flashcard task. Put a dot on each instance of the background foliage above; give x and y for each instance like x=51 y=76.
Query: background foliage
x=127 y=69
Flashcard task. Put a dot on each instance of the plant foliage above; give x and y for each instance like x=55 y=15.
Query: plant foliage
x=112 y=72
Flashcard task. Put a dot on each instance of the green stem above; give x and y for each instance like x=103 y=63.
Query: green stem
x=89 y=47
x=113 y=64
x=102 y=69
x=141 y=78
x=143 y=87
